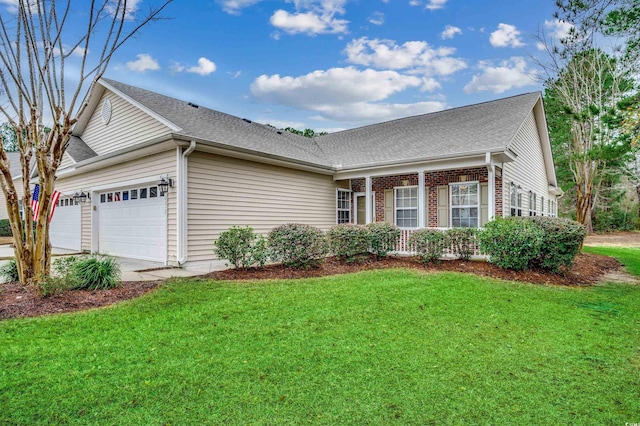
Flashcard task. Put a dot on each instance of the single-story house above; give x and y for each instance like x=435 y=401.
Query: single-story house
x=458 y=167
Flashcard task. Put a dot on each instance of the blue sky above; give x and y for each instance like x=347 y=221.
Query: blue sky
x=336 y=64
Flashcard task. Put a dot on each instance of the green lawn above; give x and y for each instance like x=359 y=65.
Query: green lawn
x=629 y=257
x=377 y=347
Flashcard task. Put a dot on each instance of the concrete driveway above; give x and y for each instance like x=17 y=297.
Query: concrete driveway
x=137 y=270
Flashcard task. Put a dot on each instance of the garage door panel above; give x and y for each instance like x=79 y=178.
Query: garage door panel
x=66 y=225
x=133 y=228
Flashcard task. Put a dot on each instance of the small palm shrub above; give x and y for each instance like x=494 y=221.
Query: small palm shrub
x=349 y=242
x=9 y=271
x=383 y=238
x=430 y=244
x=462 y=241
x=241 y=247
x=96 y=273
x=512 y=243
x=297 y=245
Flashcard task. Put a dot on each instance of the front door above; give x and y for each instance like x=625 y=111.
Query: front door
x=361 y=209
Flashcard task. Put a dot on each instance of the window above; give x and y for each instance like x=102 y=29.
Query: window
x=407 y=207
x=21 y=209
x=153 y=192
x=513 y=197
x=542 y=206
x=143 y=193
x=116 y=196
x=134 y=194
x=343 y=206
x=532 y=203
x=125 y=195
x=464 y=205
x=103 y=198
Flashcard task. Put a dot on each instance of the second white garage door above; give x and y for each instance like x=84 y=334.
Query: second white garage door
x=133 y=223
x=64 y=231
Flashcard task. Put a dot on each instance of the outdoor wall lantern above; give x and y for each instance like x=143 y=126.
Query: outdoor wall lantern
x=164 y=185
x=81 y=196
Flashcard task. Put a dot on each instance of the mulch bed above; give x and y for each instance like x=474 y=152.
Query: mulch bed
x=17 y=301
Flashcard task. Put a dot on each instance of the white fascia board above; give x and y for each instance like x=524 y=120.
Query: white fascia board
x=463 y=162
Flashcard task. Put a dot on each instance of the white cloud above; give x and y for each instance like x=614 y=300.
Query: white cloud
x=144 y=63
x=345 y=94
x=312 y=17
x=450 y=32
x=377 y=18
x=510 y=74
x=204 y=67
x=506 y=35
x=233 y=7
x=436 y=4
x=558 y=29
x=308 y=23
x=364 y=112
x=114 y=7
x=415 y=3
x=416 y=56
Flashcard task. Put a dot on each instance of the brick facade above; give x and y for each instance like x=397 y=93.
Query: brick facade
x=432 y=181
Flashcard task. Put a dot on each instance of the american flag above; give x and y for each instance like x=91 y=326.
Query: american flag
x=35 y=202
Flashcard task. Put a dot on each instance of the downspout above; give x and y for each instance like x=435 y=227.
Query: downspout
x=182 y=199
x=491 y=170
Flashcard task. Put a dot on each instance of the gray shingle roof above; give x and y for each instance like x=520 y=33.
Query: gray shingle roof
x=475 y=128
x=209 y=125
x=79 y=150
x=449 y=133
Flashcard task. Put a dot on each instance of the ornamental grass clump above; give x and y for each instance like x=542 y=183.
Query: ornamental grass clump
x=512 y=243
x=384 y=238
x=430 y=244
x=297 y=245
x=348 y=242
x=241 y=247
x=96 y=273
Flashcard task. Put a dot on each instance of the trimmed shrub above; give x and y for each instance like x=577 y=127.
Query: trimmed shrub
x=384 y=238
x=561 y=243
x=297 y=245
x=241 y=247
x=53 y=285
x=430 y=244
x=349 y=242
x=512 y=243
x=5 y=228
x=96 y=273
x=9 y=271
x=462 y=241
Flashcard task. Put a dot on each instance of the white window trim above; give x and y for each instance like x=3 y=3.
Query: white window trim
x=338 y=190
x=451 y=207
x=533 y=203
x=395 y=206
x=373 y=206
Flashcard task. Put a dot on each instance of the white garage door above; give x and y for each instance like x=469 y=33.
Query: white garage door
x=64 y=231
x=133 y=223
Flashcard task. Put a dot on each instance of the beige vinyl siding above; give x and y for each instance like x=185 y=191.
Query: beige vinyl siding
x=128 y=123
x=4 y=213
x=67 y=161
x=225 y=191
x=528 y=170
x=152 y=166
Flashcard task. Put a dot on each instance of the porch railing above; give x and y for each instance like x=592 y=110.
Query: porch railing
x=403 y=246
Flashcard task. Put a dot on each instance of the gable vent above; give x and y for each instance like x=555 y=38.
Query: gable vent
x=191 y=104
x=106 y=111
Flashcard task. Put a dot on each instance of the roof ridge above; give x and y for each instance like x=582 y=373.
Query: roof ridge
x=448 y=110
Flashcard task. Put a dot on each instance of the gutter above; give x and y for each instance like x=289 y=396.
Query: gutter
x=182 y=200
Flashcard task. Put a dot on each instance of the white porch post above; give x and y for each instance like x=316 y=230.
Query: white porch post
x=491 y=169
x=368 y=200
x=421 y=223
